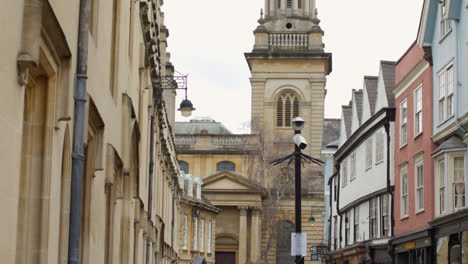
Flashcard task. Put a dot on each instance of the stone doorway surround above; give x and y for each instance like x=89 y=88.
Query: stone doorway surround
x=241 y=199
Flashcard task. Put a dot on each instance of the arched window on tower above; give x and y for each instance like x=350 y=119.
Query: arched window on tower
x=184 y=166
x=287 y=108
x=289 y=3
x=225 y=166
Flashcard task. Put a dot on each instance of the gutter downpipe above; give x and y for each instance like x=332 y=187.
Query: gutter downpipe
x=457 y=58
x=330 y=203
x=78 y=134
x=156 y=98
x=389 y=188
x=338 y=188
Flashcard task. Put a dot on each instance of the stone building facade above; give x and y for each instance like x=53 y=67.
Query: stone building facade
x=126 y=57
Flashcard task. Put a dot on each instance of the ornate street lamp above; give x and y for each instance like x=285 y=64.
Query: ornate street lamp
x=176 y=82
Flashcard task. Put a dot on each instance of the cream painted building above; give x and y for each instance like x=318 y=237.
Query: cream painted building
x=126 y=56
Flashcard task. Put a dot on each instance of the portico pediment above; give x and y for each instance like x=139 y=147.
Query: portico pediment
x=230 y=181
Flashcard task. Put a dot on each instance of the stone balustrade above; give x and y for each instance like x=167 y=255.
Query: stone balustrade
x=185 y=140
x=288 y=40
x=227 y=140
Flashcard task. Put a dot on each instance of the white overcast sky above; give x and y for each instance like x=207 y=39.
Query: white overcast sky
x=208 y=39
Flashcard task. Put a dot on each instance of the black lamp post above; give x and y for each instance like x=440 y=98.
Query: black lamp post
x=178 y=82
x=299 y=144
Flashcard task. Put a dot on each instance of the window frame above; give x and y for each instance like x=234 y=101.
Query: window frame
x=368 y=148
x=373 y=211
x=347 y=228
x=446 y=89
x=452 y=180
x=353 y=166
x=403 y=122
x=379 y=147
x=441 y=185
x=285 y=112
x=344 y=173
x=356 y=224
x=202 y=234
x=404 y=204
x=225 y=163
x=384 y=205
x=209 y=234
x=418 y=111
x=184 y=233
x=445 y=24
x=195 y=233
x=419 y=163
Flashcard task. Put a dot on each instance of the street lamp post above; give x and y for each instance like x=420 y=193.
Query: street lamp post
x=300 y=144
x=298 y=124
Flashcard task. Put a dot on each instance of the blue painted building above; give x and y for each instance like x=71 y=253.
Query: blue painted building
x=443 y=34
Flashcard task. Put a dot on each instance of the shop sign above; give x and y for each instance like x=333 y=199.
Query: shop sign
x=409 y=245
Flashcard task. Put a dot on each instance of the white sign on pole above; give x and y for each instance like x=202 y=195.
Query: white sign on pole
x=299 y=244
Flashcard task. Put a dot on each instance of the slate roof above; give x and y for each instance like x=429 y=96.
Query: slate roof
x=197 y=125
x=331 y=130
x=347 y=115
x=371 y=89
x=388 y=73
x=358 y=98
x=453 y=142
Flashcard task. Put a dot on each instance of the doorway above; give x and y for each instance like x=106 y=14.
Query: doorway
x=225 y=258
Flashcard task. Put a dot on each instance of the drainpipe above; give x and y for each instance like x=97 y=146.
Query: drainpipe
x=389 y=187
x=457 y=59
x=78 y=134
x=330 y=203
x=338 y=188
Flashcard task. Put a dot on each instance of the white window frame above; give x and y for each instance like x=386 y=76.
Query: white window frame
x=384 y=203
x=445 y=79
x=368 y=153
x=344 y=173
x=184 y=233
x=379 y=147
x=195 y=233
x=348 y=229
x=202 y=235
x=403 y=122
x=353 y=166
x=356 y=224
x=404 y=201
x=453 y=169
x=208 y=243
x=373 y=218
x=418 y=111
x=441 y=185
x=445 y=25
x=418 y=186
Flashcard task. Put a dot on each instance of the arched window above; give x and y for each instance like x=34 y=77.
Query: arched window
x=289 y=3
x=283 y=242
x=279 y=4
x=287 y=108
x=184 y=166
x=299 y=3
x=225 y=166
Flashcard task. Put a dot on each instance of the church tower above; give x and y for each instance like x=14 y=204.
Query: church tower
x=288 y=67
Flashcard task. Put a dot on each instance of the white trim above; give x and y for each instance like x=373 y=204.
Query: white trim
x=418 y=162
x=400 y=125
x=415 y=111
x=404 y=170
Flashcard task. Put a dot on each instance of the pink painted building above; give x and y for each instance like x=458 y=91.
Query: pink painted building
x=414 y=167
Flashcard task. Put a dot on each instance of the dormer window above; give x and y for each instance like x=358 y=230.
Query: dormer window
x=287 y=108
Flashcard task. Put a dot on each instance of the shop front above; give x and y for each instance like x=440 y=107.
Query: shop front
x=451 y=237
x=413 y=248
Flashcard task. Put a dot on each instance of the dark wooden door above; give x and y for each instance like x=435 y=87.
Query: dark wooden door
x=225 y=258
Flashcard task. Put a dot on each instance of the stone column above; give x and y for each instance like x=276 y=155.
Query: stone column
x=255 y=235
x=243 y=234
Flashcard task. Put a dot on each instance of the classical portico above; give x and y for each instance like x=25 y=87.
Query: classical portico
x=238 y=229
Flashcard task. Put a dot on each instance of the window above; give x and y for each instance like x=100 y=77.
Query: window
x=404 y=192
x=379 y=147
x=284 y=113
x=445 y=24
x=445 y=93
x=356 y=224
x=279 y=4
x=384 y=206
x=403 y=122
x=299 y=3
x=347 y=234
x=353 y=166
x=418 y=110
x=344 y=174
x=184 y=233
x=195 y=233
x=441 y=178
x=184 y=166
x=225 y=166
x=419 y=179
x=369 y=153
x=289 y=3
x=202 y=235
x=459 y=182
x=335 y=231
x=373 y=210
x=335 y=189
x=208 y=243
